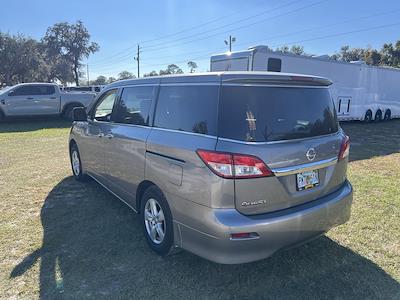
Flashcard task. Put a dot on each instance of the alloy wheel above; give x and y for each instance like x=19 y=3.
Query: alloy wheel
x=154 y=221
x=76 y=164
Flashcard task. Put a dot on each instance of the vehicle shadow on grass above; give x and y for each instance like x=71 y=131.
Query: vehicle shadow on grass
x=372 y=139
x=32 y=124
x=93 y=247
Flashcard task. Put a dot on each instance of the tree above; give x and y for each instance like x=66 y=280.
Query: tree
x=283 y=49
x=111 y=79
x=20 y=60
x=350 y=54
x=295 y=49
x=372 y=57
x=192 y=66
x=71 y=42
x=100 y=80
x=171 y=69
x=125 y=75
x=298 y=50
x=390 y=54
x=55 y=64
x=152 y=73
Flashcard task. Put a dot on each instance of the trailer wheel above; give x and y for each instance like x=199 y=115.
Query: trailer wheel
x=378 y=116
x=368 y=116
x=388 y=115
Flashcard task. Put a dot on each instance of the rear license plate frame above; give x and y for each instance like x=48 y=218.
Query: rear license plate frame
x=311 y=177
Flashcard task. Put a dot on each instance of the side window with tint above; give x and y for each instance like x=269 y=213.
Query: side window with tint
x=188 y=108
x=105 y=106
x=45 y=90
x=26 y=90
x=274 y=65
x=134 y=106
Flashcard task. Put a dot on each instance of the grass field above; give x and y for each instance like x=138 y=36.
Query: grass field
x=63 y=239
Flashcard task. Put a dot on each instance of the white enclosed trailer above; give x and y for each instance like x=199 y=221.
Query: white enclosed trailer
x=360 y=91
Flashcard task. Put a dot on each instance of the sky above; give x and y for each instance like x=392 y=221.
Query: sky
x=178 y=31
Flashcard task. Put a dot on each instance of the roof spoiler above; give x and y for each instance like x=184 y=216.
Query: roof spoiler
x=284 y=80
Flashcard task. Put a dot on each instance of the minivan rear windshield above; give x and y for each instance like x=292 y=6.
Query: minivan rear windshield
x=263 y=114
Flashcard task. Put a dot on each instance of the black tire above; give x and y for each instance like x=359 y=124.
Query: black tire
x=378 y=116
x=76 y=170
x=2 y=116
x=67 y=113
x=388 y=115
x=368 y=116
x=165 y=246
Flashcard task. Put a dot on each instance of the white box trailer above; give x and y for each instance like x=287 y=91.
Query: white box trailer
x=360 y=91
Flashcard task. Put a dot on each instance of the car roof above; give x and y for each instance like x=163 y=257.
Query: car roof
x=229 y=77
x=35 y=83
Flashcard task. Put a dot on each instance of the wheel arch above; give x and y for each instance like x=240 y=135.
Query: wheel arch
x=71 y=143
x=71 y=104
x=380 y=112
x=142 y=187
x=369 y=110
x=388 y=114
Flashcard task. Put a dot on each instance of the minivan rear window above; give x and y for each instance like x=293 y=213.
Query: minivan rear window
x=263 y=114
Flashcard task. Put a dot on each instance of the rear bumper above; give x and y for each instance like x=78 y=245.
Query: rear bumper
x=276 y=230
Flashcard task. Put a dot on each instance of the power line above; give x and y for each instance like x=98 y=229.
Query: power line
x=312 y=39
x=123 y=52
x=215 y=20
x=300 y=41
x=269 y=10
x=340 y=34
x=236 y=28
x=320 y=27
x=190 y=38
x=151 y=49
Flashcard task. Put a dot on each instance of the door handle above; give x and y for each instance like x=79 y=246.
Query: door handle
x=100 y=135
x=53 y=97
x=30 y=98
x=2 y=101
x=109 y=136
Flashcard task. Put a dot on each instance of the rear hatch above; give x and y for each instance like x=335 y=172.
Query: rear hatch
x=294 y=130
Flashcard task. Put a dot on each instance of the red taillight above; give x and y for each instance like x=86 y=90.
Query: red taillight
x=344 y=148
x=219 y=163
x=229 y=165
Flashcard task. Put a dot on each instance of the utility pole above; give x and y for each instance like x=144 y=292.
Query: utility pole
x=137 y=58
x=230 y=42
x=87 y=74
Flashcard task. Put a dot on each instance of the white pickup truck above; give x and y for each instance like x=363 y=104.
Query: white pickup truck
x=28 y=99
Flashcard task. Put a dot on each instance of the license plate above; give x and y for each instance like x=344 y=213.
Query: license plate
x=307 y=180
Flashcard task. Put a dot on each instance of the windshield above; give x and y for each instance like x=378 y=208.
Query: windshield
x=261 y=114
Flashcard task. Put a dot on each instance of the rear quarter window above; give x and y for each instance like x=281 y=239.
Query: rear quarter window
x=188 y=108
x=262 y=114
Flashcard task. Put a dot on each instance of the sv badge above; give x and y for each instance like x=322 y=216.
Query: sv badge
x=253 y=203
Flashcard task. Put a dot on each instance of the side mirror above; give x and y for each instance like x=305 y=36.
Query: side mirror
x=11 y=93
x=79 y=114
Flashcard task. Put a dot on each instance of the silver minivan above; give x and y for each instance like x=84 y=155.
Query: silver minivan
x=231 y=166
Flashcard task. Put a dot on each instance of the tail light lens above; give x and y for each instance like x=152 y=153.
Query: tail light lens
x=344 y=148
x=229 y=165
